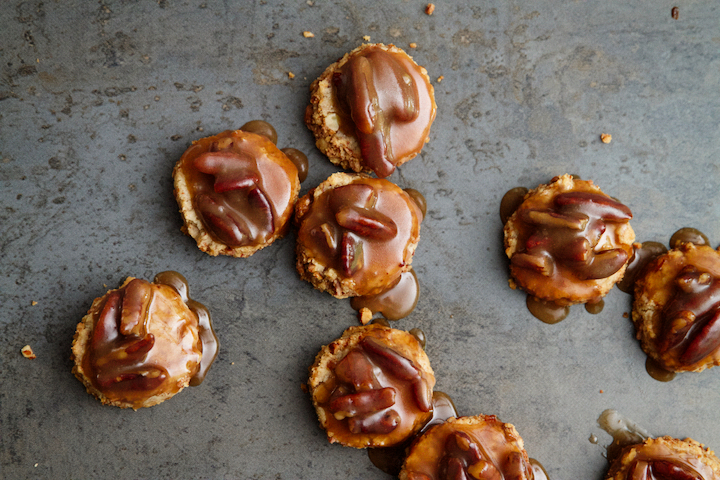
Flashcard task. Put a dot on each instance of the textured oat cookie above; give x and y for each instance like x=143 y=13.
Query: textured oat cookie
x=568 y=242
x=390 y=138
x=236 y=192
x=372 y=387
x=665 y=458
x=479 y=447
x=142 y=343
x=356 y=234
x=676 y=310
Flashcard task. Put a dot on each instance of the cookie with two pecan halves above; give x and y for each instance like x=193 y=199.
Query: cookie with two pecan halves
x=568 y=242
x=676 y=310
x=466 y=448
x=236 y=192
x=372 y=387
x=142 y=343
x=665 y=458
x=356 y=234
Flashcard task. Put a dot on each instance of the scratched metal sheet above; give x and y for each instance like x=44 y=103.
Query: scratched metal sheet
x=99 y=99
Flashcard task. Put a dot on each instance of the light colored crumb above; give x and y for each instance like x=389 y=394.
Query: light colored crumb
x=28 y=353
x=365 y=315
x=308 y=34
x=430 y=8
x=440 y=78
x=33 y=303
x=606 y=137
x=291 y=75
x=366 y=38
x=413 y=45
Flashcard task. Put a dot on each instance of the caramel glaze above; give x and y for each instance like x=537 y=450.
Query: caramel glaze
x=394 y=303
x=387 y=102
x=468 y=448
x=147 y=338
x=655 y=461
x=362 y=230
x=241 y=186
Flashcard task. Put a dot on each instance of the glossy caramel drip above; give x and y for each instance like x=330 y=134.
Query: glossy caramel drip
x=363 y=231
x=375 y=391
x=656 y=371
x=241 y=186
x=510 y=202
x=419 y=200
x=548 y=312
x=538 y=470
x=624 y=431
x=458 y=449
x=145 y=342
x=688 y=235
x=394 y=303
x=384 y=95
x=643 y=254
x=595 y=307
x=261 y=127
x=208 y=338
x=300 y=160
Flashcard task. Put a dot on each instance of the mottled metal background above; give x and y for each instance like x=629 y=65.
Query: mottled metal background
x=99 y=99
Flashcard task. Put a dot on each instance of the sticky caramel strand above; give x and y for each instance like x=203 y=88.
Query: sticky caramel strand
x=661 y=470
x=569 y=232
x=361 y=399
x=379 y=92
x=692 y=318
x=237 y=208
x=120 y=342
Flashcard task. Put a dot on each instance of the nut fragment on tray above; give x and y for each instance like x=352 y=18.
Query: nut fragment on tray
x=479 y=447
x=142 y=343
x=676 y=310
x=356 y=235
x=372 y=387
x=567 y=241
x=371 y=111
x=236 y=190
x=665 y=458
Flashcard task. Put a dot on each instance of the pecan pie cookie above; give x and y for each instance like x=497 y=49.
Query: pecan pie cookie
x=372 y=109
x=236 y=190
x=568 y=242
x=142 y=343
x=372 y=387
x=356 y=234
x=676 y=310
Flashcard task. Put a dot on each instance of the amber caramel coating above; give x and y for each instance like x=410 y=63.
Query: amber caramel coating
x=356 y=235
x=335 y=132
x=680 y=330
x=382 y=372
x=482 y=447
x=243 y=198
x=594 y=254
x=138 y=345
x=665 y=458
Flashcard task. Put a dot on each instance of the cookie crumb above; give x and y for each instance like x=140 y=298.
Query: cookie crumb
x=33 y=303
x=365 y=315
x=430 y=8
x=440 y=78
x=28 y=353
x=304 y=387
x=413 y=45
x=366 y=38
x=291 y=75
x=606 y=137
x=602 y=391
x=308 y=34
x=675 y=13
x=626 y=315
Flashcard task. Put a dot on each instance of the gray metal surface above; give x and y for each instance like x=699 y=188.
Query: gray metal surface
x=99 y=99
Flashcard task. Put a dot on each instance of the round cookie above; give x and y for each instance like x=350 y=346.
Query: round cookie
x=372 y=109
x=142 y=343
x=236 y=192
x=676 y=310
x=372 y=387
x=479 y=447
x=356 y=234
x=665 y=458
x=568 y=242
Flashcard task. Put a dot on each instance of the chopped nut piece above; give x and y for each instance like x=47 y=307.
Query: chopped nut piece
x=33 y=303
x=366 y=38
x=28 y=353
x=291 y=75
x=440 y=78
x=606 y=137
x=308 y=34
x=365 y=315
x=413 y=45
x=430 y=8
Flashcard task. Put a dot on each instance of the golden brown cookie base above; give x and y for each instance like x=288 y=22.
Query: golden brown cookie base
x=655 y=289
x=687 y=451
x=570 y=290
x=321 y=383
